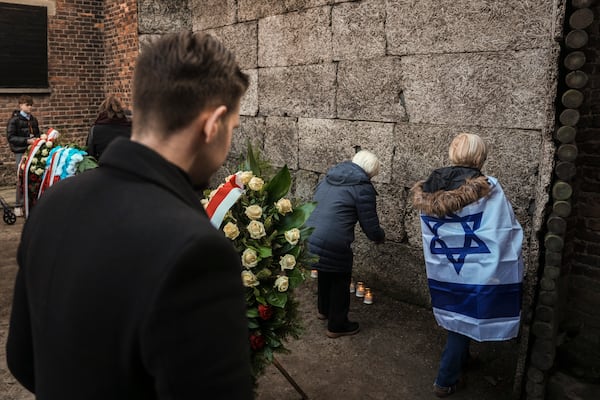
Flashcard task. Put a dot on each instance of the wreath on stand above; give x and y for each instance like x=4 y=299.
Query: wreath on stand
x=267 y=229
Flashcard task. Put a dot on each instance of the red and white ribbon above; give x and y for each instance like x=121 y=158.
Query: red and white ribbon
x=224 y=198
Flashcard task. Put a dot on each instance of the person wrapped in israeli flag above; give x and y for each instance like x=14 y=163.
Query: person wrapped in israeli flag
x=472 y=248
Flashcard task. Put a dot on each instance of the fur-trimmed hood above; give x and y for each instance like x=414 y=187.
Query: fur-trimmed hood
x=456 y=188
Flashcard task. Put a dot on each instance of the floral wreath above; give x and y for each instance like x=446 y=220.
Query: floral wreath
x=267 y=230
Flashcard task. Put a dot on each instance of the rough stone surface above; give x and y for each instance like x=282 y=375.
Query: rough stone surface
x=325 y=142
x=281 y=141
x=370 y=90
x=255 y=9
x=304 y=184
x=163 y=16
x=358 y=30
x=564 y=387
x=249 y=103
x=212 y=13
x=302 y=91
x=251 y=130
x=391 y=205
x=241 y=39
x=505 y=89
x=452 y=26
x=296 y=38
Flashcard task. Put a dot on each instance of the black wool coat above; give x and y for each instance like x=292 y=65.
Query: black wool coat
x=346 y=196
x=126 y=291
x=19 y=129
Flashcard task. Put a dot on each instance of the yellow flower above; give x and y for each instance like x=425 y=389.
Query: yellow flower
x=246 y=176
x=254 y=211
x=287 y=262
x=256 y=229
x=281 y=283
x=292 y=236
x=231 y=230
x=256 y=183
x=249 y=258
x=249 y=279
x=283 y=206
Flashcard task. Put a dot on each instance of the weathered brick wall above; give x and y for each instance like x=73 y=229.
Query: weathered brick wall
x=92 y=47
x=75 y=71
x=120 y=47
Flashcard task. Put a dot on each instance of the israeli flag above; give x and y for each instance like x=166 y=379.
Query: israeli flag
x=475 y=268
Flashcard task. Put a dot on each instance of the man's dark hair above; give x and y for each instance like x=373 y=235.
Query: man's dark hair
x=179 y=75
x=26 y=99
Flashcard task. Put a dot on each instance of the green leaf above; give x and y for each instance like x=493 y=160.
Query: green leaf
x=265 y=252
x=295 y=278
x=252 y=324
x=279 y=185
x=277 y=299
x=252 y=313
x=298 y=217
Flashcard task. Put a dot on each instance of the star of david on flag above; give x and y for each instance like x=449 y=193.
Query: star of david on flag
x=472 y=244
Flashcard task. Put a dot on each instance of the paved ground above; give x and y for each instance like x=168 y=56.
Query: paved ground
x=394 y=356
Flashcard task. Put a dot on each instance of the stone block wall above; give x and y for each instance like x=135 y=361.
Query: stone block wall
x=399 y=78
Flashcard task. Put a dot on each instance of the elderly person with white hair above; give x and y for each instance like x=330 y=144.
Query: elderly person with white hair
x=346 y=196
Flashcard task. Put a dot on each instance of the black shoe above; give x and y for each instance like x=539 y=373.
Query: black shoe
x=442 y=391
x=351 y=328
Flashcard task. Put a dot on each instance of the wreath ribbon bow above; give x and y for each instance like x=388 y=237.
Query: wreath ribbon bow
x=224 y=198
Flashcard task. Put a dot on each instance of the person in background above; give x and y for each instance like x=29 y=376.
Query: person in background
x=21 y=131
x=346 y=196
x=472 y=248
x=125 y=290
x=112 y=122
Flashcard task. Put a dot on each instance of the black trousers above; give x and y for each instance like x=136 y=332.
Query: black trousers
x=334 y=298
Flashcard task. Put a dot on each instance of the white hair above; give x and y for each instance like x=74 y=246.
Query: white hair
x=367 y=161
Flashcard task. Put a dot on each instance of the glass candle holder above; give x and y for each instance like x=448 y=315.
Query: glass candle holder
x=352 y=287
x=314 y=273
x=360 y=289
x=368 y=296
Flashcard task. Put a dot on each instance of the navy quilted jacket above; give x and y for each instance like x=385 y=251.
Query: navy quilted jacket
x=344 y=197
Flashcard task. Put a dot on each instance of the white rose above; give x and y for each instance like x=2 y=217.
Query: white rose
x=256 y=183
x=281 y=283
x=246 y=176
x=292 y=236
x=284 y=206
x=44 y=152
x=249 y=258
x=249 y=279
x=256 y=229
x=231 y=230
x=204 y=203
x=39 y=171
x=49 y=144
x=43 y=136
x=32 y=169
x=287 y=262
x=34 y=160
x=254 y=211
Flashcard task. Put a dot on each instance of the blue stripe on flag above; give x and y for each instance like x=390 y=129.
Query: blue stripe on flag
x=477 y=301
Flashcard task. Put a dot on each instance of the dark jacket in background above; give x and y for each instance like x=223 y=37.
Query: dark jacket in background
x=104 y=131
x=19 y=130
x=126 y=291
x=344 y=197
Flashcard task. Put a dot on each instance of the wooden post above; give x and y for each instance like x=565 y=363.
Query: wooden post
x=562 y=190
x=576 y=79
x=569 y=117
x=556 y=224
x=565 y=170
x=565 y=134
x=289 y=379
x=574 y=60
x=572 y=98
x=562 y=208
x=582 y=3
x=576 y=39
x=581 y=19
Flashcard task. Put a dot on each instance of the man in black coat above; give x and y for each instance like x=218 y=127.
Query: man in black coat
x=125 y=290
x=21 y=131
x=346 y=196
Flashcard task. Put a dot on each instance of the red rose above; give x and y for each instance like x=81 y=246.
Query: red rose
x=265 y=312
x=257 y=342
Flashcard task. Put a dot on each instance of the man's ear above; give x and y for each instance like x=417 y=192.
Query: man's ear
x=211 y=126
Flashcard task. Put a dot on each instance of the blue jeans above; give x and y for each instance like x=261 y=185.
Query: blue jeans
x=19 y=194
x=454 y=358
